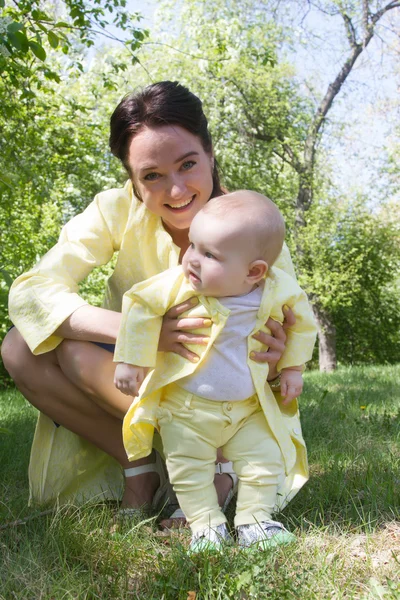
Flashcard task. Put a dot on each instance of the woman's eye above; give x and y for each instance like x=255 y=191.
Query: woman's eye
x=188 y=164
x=151 y=177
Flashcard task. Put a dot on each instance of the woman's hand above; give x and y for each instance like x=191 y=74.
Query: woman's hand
x=275 y=342
x=174 y=332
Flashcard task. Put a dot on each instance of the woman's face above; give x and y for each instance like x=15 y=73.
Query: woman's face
x=172 y=173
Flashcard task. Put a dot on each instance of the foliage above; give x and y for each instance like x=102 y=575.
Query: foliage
x=355 y=258
x=28 y=29
x=54 y=151
x=354 y=245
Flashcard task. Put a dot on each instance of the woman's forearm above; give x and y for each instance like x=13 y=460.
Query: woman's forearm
x=91 y=323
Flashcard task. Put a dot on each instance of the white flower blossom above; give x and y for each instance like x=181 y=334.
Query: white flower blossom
x=4 y=51
x=4 y=23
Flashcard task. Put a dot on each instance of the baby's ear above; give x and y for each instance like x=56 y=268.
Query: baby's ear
x=257 y=271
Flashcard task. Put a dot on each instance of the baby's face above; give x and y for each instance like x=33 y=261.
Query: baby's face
x=218 y=258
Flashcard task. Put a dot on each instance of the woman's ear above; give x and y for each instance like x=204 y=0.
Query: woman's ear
x=257 y=271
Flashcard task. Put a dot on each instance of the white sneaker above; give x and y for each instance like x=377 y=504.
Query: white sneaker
x=210 y=539
x=264 y=535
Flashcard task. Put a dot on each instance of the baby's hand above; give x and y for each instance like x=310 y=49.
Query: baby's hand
x=129 y=378
x=291 y=384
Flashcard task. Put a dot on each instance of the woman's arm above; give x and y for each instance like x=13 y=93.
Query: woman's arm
x=43 y=299
x=91 y=323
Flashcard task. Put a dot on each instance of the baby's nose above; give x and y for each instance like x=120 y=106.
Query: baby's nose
x=194 y=260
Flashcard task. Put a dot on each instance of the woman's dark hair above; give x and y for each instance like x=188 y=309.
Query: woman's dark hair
x=162 y=103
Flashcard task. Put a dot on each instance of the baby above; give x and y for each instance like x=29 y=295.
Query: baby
x=223 y=401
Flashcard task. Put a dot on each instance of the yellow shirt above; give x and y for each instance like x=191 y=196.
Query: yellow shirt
x=64 y=466
x=143 y=309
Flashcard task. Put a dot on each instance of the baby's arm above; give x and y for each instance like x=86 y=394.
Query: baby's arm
x=129 y=378
x=300 y=339
x=291 y=383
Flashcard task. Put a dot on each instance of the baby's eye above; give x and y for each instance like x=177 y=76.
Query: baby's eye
x=209 y=255
x=188 y=164
x=151 y=177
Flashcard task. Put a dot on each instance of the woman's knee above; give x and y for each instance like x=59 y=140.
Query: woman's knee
x=71 y=355
x=16 y=355
x=80 y=362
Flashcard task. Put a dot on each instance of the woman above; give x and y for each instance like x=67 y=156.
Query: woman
x=161 y=137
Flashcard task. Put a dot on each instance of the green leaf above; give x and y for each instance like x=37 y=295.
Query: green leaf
x=2 y=2
x=38 y=50
x=39 y=15
x=5 y=180
x=19 y=41
x=52 y=75
x=7 y=278
x=14 y=26
x=53 y=39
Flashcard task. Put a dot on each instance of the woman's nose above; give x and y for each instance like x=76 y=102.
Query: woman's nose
x=178 y=187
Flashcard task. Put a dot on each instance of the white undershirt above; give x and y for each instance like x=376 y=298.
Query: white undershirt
x=225 y=376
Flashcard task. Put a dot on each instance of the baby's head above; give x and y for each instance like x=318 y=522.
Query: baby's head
x=234 y=240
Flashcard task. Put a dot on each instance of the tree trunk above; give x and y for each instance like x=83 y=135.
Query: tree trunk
x=326 y=339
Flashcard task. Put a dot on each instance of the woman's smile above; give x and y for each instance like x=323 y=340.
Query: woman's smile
x=181 y=205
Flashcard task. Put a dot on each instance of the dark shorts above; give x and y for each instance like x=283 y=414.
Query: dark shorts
x=108 y=347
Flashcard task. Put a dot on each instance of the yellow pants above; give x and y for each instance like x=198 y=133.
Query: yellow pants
x=192 y=428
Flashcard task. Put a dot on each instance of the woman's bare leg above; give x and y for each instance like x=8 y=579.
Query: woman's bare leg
x=43 y=383
x=91 y=369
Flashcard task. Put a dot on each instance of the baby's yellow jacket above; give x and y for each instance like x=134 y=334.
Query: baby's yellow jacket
x=143 y=309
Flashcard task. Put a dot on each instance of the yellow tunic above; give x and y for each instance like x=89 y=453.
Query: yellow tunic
x=64 y=466
x=143 y=309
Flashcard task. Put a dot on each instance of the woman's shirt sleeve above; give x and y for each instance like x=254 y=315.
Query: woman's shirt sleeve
x=44 y=297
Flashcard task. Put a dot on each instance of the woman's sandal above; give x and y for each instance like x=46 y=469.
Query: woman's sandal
x=164 y=494
x=220 y=469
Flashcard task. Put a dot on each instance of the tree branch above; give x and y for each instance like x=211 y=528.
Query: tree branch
x=335 y=86
x=263 y=137
x=365 y=17
x=350 y=31
x=292 y=161
x=182 y=51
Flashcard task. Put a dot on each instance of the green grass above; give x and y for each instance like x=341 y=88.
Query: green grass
x=347 y=518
